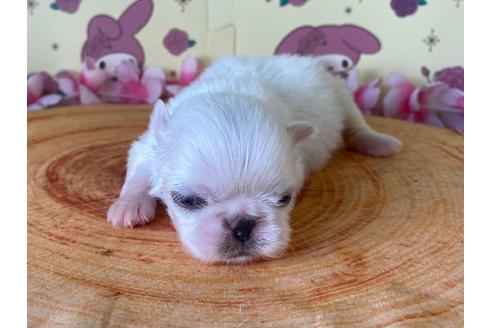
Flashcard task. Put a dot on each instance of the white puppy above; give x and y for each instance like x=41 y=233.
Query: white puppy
x=230 y=153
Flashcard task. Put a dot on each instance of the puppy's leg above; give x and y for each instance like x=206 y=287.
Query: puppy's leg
x=134 y=206
x=362 y=138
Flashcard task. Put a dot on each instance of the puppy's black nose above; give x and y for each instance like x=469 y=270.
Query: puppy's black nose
x=242 y=229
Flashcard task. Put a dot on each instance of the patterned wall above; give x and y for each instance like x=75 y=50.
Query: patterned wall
x=377 y=36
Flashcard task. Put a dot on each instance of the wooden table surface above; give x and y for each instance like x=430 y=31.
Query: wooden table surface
x=376 y=242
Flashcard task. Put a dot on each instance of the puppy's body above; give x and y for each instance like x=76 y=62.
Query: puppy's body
x=296 y=89
x=230 y=153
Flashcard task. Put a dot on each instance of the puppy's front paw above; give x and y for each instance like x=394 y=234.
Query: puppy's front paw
x=127 y=212
x=374 y=143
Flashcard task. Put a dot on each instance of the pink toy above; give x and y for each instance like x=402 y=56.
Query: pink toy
x=68 y=84
x=190 y=70
x=97 y=86
x=41 y=91
x=431 y=104
x=92 y=77
x=340 y=46
x=365 y=96
x=129 y=88
x=91 y=81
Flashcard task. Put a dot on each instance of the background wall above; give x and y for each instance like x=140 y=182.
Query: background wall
x=410 y=33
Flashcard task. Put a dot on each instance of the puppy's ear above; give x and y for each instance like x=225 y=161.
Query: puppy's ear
x=300 y=130
x=160 y=116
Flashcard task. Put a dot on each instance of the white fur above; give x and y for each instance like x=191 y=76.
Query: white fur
x=247 y=131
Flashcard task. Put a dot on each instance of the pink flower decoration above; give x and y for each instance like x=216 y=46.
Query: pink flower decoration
x=365 y=96
x=177 y=41
x=68 y=6
x=296 y=3
x=404 y=8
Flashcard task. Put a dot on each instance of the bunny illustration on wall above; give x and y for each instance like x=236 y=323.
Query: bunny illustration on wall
x=110 y=41
x=340 y=46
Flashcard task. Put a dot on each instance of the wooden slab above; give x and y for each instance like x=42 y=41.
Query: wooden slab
x=376 y=242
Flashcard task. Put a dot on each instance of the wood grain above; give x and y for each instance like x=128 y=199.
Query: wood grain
x=376 y=242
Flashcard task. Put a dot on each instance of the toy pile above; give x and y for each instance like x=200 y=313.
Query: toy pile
x=93 y=85
x=440 y=102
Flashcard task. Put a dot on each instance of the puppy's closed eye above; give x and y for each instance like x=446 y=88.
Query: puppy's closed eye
x=284 y=200
x=190 y=202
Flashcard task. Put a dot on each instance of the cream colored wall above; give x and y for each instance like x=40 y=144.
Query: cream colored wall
x=255 y=27
x=47 y=26
x=402 y=49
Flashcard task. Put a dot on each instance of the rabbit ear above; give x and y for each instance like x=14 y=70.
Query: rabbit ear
x=136 y=16
x=360 y=39
x=106 y=25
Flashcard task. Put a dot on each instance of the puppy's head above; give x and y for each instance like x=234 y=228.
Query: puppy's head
x=229 y=172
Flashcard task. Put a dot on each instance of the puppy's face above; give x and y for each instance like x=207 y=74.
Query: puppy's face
x=235 y=226
x=230 y=178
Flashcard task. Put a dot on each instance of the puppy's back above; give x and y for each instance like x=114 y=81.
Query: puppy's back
x=302 y=83
x=308 y=92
